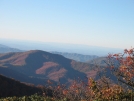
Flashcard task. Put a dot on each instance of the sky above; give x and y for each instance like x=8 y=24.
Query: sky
x=106 y=23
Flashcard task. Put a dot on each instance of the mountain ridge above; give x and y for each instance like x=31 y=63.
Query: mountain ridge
x=76 y=56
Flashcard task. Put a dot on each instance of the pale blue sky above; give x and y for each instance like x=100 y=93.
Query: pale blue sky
x=107 y=23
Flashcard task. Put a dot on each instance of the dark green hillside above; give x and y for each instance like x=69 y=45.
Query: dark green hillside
x=11 y=87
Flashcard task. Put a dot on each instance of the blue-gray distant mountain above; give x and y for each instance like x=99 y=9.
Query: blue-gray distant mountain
x=77 y=57
x=60 y=47
x=103 y=61
x=98 y=61
x=6 y=49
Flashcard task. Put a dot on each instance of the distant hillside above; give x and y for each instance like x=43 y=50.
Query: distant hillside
x=10 y=87
x=105 y=69
x=98 y=61
x=102 y=61
x=37 y=66
x=6 y=49
x=77 y=57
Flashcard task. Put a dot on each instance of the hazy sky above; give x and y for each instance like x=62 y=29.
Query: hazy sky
x=107 y=23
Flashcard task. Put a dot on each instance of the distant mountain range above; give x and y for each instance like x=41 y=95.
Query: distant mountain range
x=37 y=66
x=59 y=47
x=74 y=56
x=6 y=49
x=77 y=57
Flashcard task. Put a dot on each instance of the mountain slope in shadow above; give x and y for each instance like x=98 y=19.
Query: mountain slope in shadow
x=10 y=87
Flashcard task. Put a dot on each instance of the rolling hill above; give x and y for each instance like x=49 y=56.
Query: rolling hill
x=37 y=66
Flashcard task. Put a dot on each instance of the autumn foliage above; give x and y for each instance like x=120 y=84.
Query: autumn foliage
x=102 y=89
x=125 y=70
